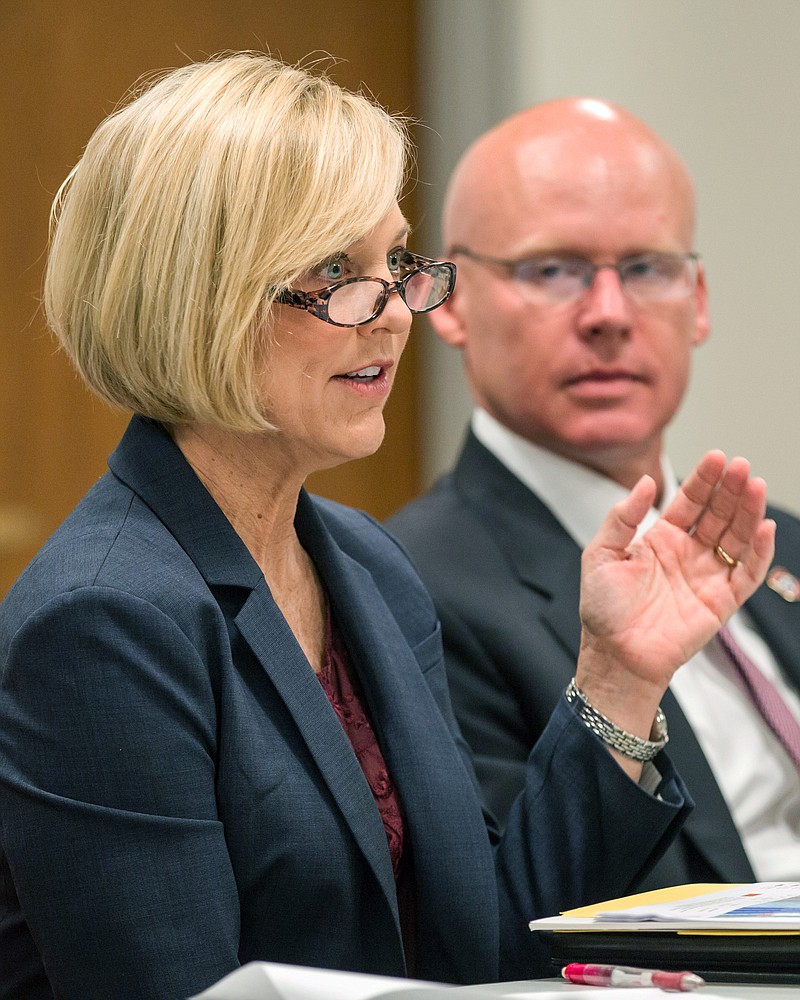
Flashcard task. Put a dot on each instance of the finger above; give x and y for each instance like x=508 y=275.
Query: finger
x=738 y=536
x=764 y=547
x=750 y=542
x=619 y=527
x=696 y=491
x=729 y=502
x=751 y=569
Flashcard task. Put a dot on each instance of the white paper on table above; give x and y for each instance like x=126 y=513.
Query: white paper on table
x=274 y=981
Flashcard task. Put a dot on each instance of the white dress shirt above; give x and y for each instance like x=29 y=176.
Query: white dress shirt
x=756 y=776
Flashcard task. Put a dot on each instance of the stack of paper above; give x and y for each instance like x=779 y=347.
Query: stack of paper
x=724 y=933
x=762 y=907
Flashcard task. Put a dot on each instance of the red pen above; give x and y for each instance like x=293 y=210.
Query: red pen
x=622 y=975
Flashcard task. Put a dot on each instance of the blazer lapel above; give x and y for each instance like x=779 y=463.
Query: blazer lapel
x=780 y=620
x=544 y=557
x=265 y=630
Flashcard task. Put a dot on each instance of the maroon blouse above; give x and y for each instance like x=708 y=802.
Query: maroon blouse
x=340 y=684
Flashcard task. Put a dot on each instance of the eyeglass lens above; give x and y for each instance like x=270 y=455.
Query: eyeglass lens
x=648 y=277
x=360 y=301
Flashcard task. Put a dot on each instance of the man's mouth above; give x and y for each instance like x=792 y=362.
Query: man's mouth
x=604 y=376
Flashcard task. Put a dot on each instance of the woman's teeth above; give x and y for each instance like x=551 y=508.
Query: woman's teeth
x=365 y=373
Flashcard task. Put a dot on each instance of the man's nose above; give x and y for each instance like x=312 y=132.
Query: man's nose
x=605 y=306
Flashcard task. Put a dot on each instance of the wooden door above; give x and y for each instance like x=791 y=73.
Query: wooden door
x=65 y=67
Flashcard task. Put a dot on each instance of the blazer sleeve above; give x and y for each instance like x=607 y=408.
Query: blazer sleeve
x=119 y=808
x=580 y=831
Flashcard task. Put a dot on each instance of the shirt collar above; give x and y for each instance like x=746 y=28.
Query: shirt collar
x=579 y=498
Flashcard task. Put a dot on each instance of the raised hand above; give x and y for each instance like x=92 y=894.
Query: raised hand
x=647 y=606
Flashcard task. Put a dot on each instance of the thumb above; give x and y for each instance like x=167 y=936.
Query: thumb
x=619 y=527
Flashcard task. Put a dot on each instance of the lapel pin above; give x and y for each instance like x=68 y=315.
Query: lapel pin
x=784 y=583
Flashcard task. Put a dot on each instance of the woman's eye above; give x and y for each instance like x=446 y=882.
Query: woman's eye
x=333 y=270
x=399 y=260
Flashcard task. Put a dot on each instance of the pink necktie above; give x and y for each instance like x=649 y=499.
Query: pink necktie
x=765 y=697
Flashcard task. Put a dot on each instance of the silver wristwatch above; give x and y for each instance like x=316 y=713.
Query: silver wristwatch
x=613 y=735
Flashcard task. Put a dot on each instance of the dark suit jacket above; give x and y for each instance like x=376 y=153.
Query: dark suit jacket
x=505 y=577
x=177 y=795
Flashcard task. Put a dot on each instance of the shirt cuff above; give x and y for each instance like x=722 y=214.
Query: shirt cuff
x=650 y=778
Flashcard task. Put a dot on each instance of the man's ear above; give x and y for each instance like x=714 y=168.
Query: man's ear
x=702 y=323
x=446 y=320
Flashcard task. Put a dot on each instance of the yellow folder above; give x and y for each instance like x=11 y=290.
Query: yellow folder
x=670 y=894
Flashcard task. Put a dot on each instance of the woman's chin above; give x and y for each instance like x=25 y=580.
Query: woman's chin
x=356 y=443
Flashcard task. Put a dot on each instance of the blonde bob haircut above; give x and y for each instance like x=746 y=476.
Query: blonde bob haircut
x=190 y=209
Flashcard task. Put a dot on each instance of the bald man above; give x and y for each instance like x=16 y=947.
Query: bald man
x=579 y=302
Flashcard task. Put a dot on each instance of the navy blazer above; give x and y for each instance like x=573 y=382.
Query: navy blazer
x=177 y=795
x=505 y=577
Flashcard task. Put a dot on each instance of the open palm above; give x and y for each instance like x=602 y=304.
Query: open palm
x=647 y=606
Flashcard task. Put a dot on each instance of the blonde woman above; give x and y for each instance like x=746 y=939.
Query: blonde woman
x=224 y=728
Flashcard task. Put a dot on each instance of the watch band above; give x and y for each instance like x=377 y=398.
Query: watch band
x=633 y=747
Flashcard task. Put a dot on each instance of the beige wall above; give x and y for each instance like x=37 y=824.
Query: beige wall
x=721 y=80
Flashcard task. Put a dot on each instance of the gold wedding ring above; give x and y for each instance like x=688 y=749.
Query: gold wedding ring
x=724 y=558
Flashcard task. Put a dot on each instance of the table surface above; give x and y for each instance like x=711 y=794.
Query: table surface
x=744 y=992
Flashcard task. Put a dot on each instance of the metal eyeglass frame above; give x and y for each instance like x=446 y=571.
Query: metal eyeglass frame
x=591 y=270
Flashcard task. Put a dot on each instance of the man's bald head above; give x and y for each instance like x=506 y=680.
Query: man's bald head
x=552 y=150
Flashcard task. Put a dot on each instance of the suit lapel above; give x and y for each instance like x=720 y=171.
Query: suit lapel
x=543 y=556
x=271 y=640
x=780 y=620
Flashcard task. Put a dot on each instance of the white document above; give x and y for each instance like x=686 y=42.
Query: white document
x=273 y=981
